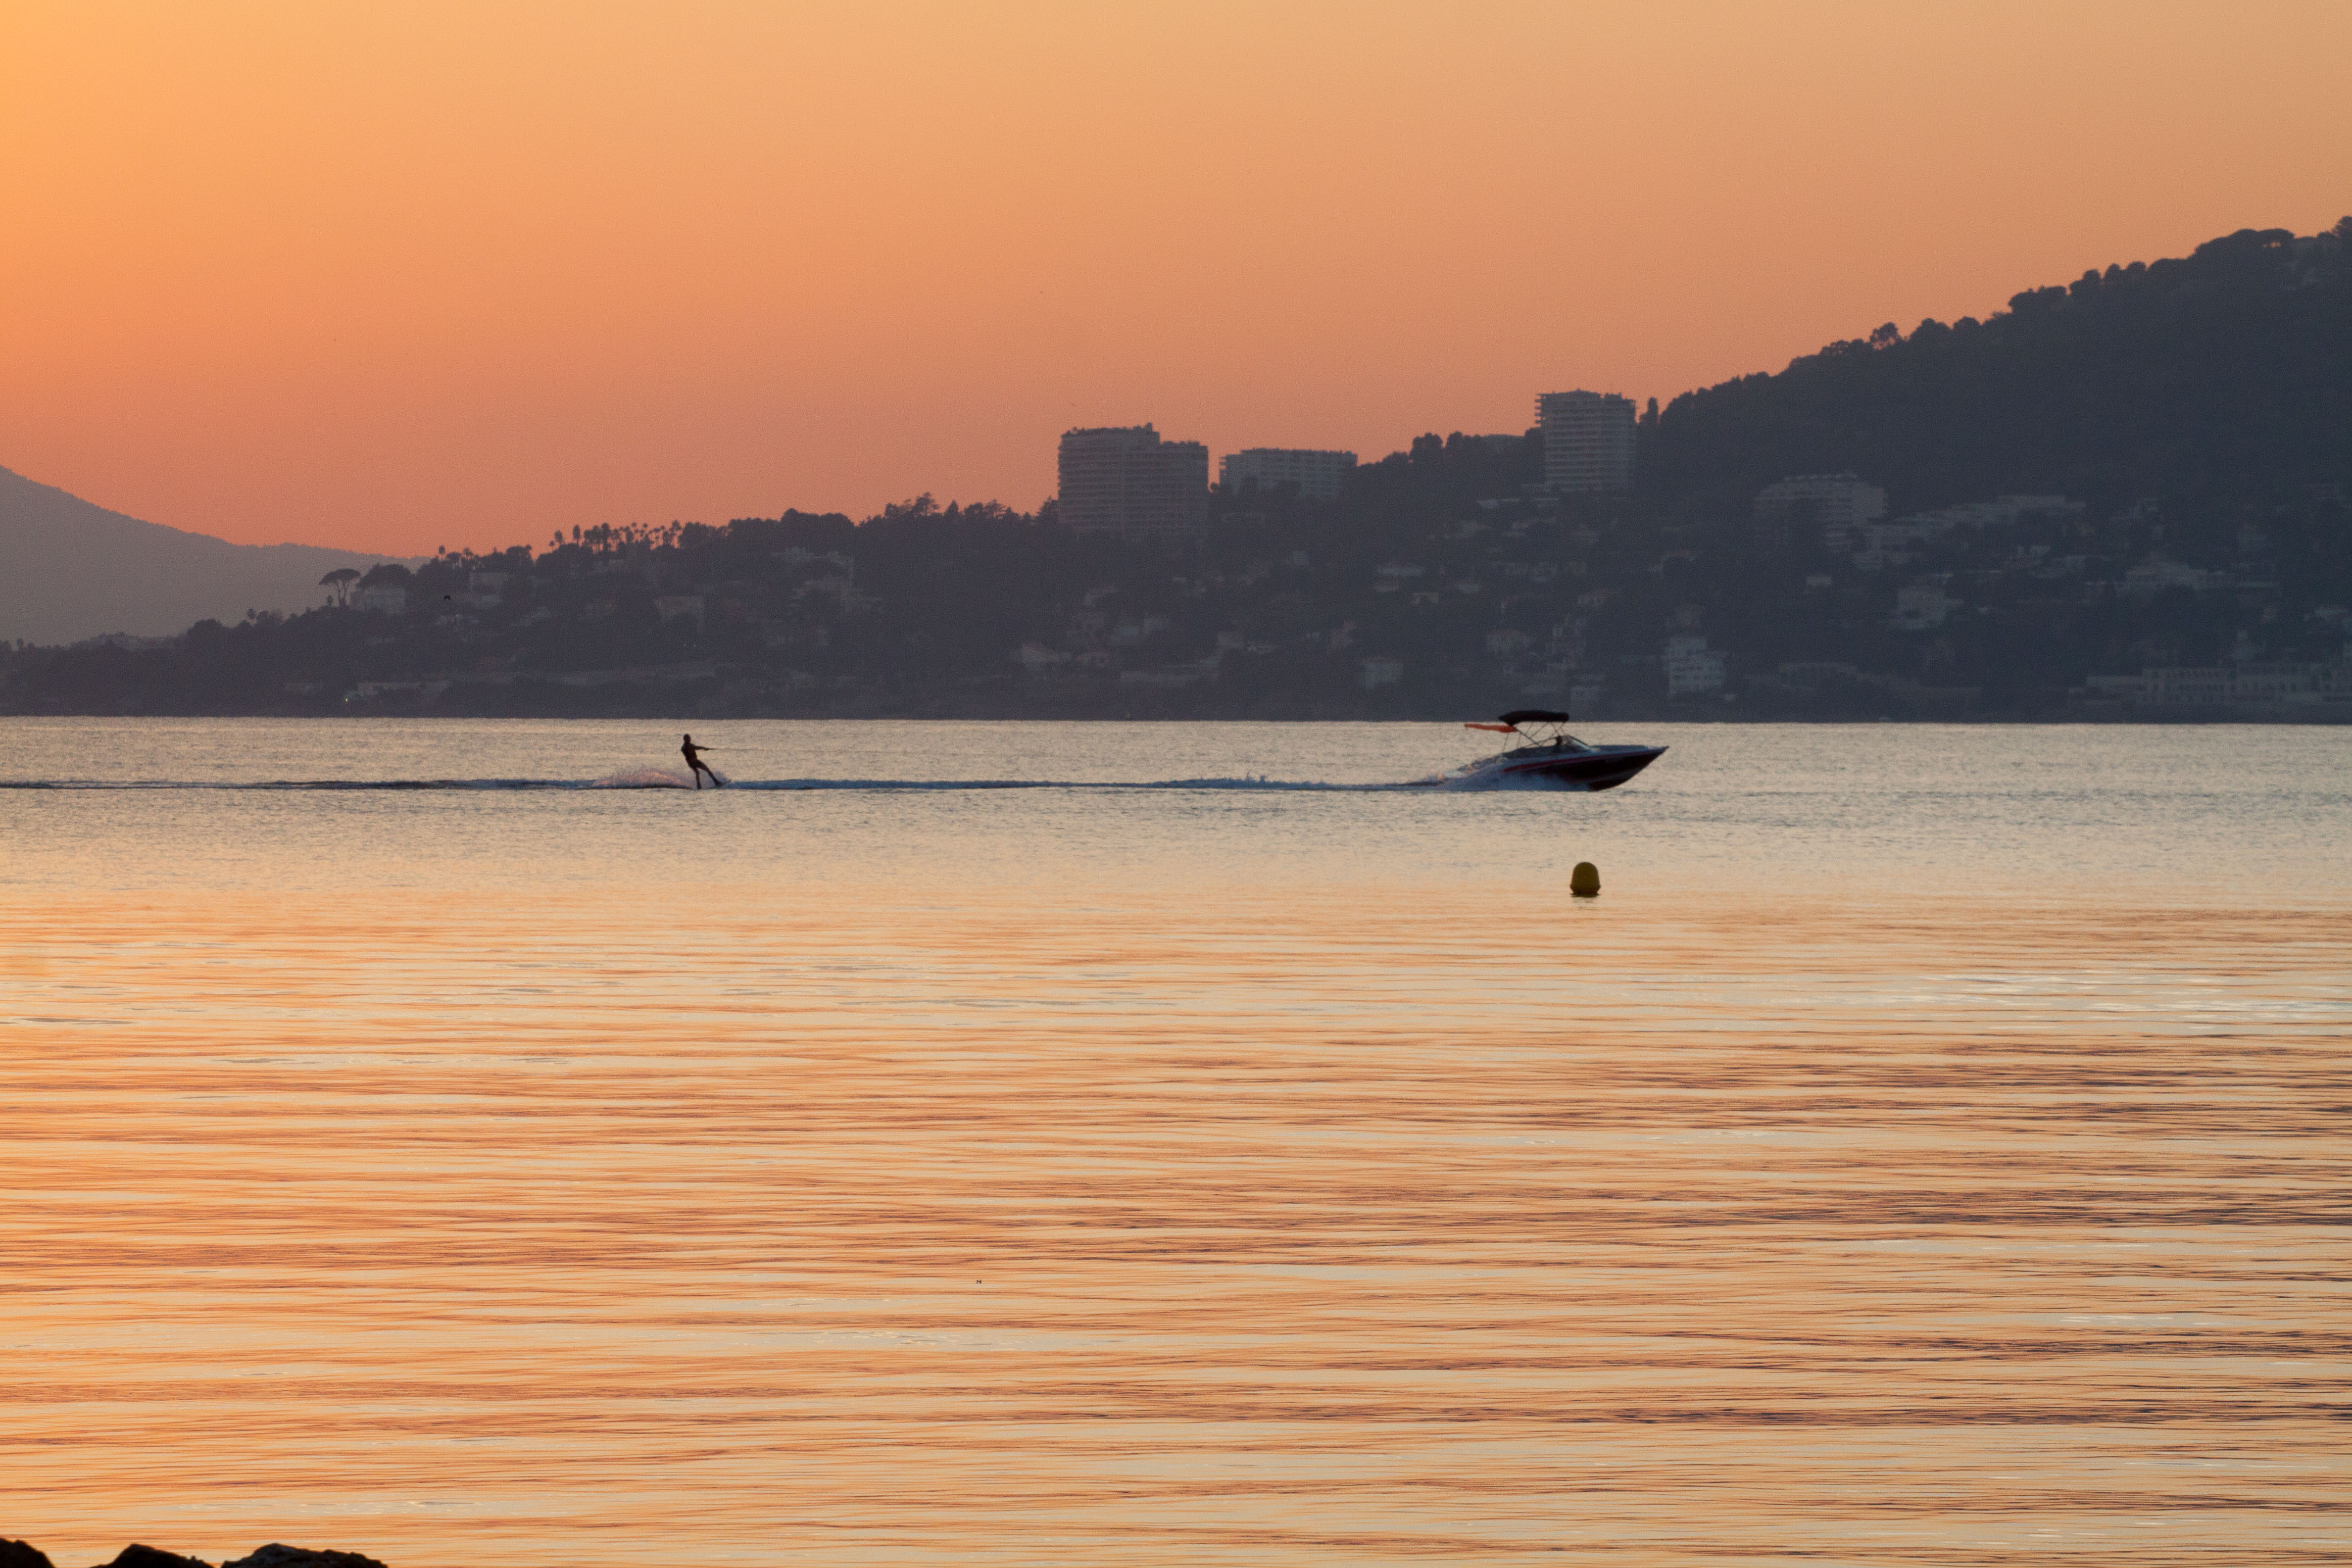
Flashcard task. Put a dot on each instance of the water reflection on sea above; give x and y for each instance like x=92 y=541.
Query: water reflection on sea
x=1929 y=1149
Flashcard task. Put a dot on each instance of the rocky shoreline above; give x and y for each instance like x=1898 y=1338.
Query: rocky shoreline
x=24 y=1554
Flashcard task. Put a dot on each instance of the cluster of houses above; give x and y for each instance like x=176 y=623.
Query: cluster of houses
x=1851 y=515
x=2017 y=549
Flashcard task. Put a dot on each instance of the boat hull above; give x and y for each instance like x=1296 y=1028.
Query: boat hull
x=1589 y=771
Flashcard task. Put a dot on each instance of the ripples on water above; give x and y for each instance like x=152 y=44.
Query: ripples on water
x=1929 y=1150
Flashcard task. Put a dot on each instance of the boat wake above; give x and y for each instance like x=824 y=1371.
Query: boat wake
x=650 y=778
x=663 y=778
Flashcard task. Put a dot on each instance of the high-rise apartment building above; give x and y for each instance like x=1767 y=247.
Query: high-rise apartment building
x=1317 y=474
x=1126 y=481
x=1588 y=441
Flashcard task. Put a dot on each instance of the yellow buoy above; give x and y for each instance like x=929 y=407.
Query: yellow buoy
x=1585 y=881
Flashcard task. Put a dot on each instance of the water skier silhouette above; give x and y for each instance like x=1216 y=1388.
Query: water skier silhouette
x=693 y=754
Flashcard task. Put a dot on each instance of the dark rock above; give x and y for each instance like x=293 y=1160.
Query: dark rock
x=23 y=1554
x=137 y=1556
x=275 y=1555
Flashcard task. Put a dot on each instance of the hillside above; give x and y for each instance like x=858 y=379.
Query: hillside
x=2218 y=378
x=70 y=569
x=2122 y=499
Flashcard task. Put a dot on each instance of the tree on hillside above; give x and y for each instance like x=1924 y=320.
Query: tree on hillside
x=337 y=583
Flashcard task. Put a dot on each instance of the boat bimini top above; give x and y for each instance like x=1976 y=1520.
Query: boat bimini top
x=1537 y=727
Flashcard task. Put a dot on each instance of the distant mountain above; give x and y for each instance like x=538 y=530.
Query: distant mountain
x=70 y=569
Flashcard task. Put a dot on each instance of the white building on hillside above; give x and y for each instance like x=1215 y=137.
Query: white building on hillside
x=1922 y=606
x=2149 y=578
x=1842 y=504
x=1126 y=481
x=1692 y=669
x=1588 y=440
x=1317 y=474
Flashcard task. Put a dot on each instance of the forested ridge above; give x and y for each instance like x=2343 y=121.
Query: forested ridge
x=2217 y=379
x=2195 y=415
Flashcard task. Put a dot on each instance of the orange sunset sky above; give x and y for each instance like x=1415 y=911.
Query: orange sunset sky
x=404 y=275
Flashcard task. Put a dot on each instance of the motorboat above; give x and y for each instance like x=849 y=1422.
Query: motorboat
x=1550 y=757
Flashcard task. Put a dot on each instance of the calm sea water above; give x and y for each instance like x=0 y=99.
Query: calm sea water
x=1929 y=1149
